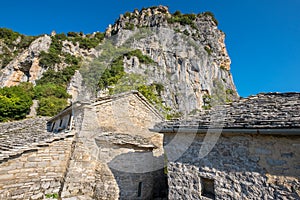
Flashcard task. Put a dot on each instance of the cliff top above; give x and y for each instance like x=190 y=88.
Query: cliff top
x=158 y=16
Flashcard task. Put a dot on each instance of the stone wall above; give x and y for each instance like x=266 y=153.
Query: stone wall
x=127 y=113
x=238 y=167
x=36 y=172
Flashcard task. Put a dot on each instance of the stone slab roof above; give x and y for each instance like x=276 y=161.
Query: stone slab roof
x=262 y=111
x=24 y=136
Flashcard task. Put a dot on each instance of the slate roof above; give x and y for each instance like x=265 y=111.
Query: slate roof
x=26 y=135
x=262 y=111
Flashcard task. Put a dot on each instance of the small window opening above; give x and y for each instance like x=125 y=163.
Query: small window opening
x=53 y=125
x=60 y=123
x=140 y=189
x=69 y=122
x=208 y=188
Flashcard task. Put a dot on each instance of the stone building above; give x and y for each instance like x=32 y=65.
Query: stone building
x=93 y=150
x=63 y=121
x=248 y=149
x=33 y=162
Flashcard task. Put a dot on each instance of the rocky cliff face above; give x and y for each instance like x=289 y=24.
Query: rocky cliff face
x=188 y=52
x=25 y=67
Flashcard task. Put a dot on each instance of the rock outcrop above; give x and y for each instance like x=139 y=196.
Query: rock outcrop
x=189 y=52
x=25 y=67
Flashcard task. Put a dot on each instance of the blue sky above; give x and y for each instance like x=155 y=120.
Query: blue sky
x=262 y=36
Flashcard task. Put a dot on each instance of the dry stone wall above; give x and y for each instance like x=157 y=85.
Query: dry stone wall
x=238 y=167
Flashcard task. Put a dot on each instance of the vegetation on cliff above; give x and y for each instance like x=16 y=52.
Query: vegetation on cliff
x=12 y=44
x=115 y=72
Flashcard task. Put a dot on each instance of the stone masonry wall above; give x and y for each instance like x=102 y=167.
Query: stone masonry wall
x=126 y=114
x=239 y=167
x=36 y=173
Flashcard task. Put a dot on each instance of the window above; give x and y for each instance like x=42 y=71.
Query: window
x=53 y=125
x=60 y=123
x=208 y=188
x=140 y=189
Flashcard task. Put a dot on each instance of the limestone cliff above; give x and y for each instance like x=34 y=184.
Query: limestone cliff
x=25 y=67
x=188 y=50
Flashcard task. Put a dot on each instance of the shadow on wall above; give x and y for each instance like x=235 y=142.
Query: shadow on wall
x=139 y=175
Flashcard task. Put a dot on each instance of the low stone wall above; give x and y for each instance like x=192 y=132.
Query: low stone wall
x=238 y=167
x=36 y=172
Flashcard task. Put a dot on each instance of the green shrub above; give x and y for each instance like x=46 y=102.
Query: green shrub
x=50 y=106
x=71 y=59
x=99 y=36
x=56 y=44
x=142 y=58
x=9 y=36
x=26 y=41
x=15 y=102
x=111 y=75
x=53 y=56
x=88 y=42
x=115 y=72
x=52 y=196
x=177 y=13
x=129 y=26
x=61 y=37
x=49 y=60
x=49 y=90
x=149 y=91
x=72 y=34
x=61 y=78
x=183 y=19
